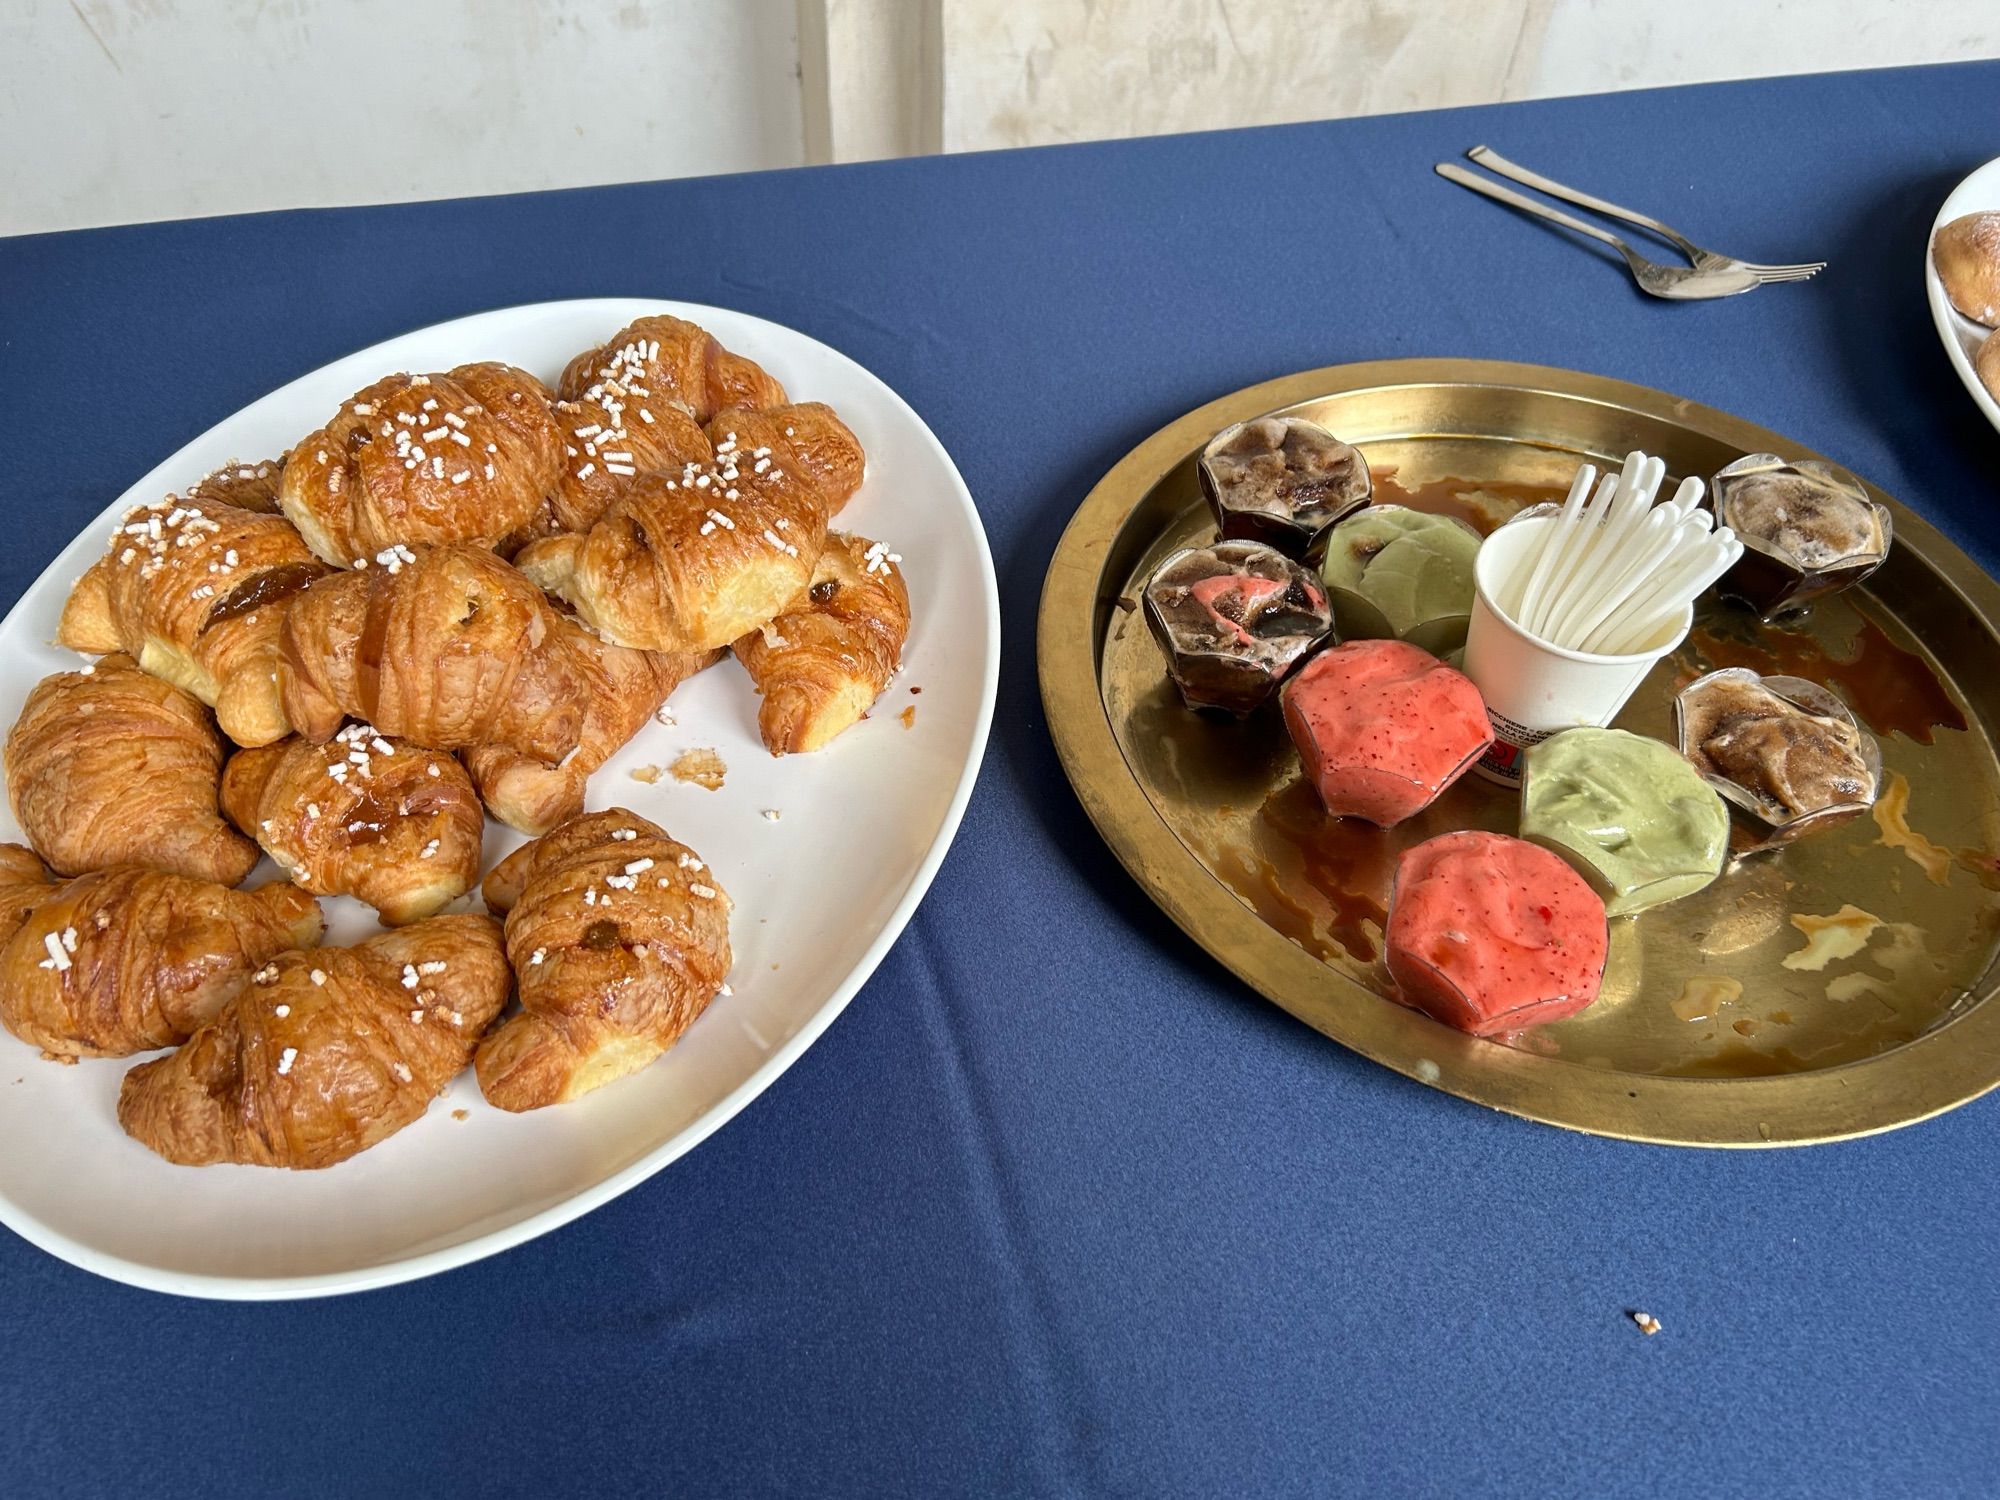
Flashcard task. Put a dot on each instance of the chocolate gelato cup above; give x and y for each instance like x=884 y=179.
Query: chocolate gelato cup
x=1808 y=529
x=1839 y=781
x=1534 y=689
x=1282 y=481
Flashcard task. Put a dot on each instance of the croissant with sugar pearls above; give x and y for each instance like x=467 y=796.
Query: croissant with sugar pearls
x=620 y=938
x=194 y=589
x=126 y=960
x=468 y=455
x=449 y=649
x=324 y=1053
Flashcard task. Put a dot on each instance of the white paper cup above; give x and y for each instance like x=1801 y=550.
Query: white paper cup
x=1533 y=689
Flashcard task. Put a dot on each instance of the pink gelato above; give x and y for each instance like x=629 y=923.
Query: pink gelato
x=1383 y=727
x=1489 y=933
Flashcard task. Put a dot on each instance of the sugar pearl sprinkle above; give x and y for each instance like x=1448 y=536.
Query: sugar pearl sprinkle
x=879 y=559
x=285 y=1060
x=162 y=533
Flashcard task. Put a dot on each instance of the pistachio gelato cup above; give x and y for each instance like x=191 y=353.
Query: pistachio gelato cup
x=1628 y=813
x=1393 y=573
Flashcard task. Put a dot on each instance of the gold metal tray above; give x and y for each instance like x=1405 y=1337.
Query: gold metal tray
x=1835 y=988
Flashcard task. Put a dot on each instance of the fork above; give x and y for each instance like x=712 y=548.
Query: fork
x=1675 y=283
x=1493 y=161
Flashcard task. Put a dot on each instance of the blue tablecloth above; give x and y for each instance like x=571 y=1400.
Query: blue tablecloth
x=1057 y=1207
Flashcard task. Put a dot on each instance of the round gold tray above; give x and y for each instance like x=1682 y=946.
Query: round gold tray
x=1835 y=988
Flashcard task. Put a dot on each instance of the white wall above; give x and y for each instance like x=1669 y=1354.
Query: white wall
x=1029 y=72
x=120 y=110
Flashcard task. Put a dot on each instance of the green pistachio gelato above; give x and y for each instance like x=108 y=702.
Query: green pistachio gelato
x=1409 y=564
x=1635 y=819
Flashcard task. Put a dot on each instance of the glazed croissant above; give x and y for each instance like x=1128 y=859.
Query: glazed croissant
x=126 y=960
x=111 y=766
x=397 y=826
x=325 y=1052
x=449 y=649
x=624 y=689
x=691 y=562
x=822 y=664
x=245 y=486
x=195 y=589
x=670 y=361
x=610 y=436
x=468 y=455
x=809 y=438
x=619 y=937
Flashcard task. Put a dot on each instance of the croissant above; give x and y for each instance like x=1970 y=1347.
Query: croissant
x=809 y=438
x=397 y=826
x=325 y=1052
x=245 y=486
x=195 y=589
x=463 y=456
x=611 y=436
x=670 y=361
x=822 y=664
x=111 y=766
x=449 y=649
x=691 y=562
x=620 y=938
x=125 y=960
x=625 y=689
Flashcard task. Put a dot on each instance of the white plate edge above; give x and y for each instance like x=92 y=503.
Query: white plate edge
x=1947 y=319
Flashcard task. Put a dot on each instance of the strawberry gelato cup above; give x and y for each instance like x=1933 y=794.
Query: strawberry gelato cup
x=1492 y=934
x=1383 y=727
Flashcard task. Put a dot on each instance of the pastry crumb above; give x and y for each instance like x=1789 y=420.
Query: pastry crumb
x=1646 y=1323
x=704 y=768
x=914 y=691
x=461 y=1114
x=67 y=1059
x=772 y=814
x=647 y=774
x=909 y=716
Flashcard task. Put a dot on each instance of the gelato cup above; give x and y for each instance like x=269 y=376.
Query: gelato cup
x=1808 y=529
x=1629 y=814
x=1401 y=574
x=1233 y=620
x=1281 y=481
x=1382 y=727
x=1491 y=934
x=1783 y=749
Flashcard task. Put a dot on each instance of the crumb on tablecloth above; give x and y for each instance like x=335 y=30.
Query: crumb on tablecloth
x=1647 y=1323
x=704 y=768
x=647 y=774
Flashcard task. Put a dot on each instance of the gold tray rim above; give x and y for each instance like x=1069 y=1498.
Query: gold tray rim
x=1947 y=1067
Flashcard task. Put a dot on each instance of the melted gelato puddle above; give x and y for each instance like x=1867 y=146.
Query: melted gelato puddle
x=1704 y=996
x=1831 y=938
x=1891 y=814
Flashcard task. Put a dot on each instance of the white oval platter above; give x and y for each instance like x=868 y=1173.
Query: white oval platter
x=821 y=892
